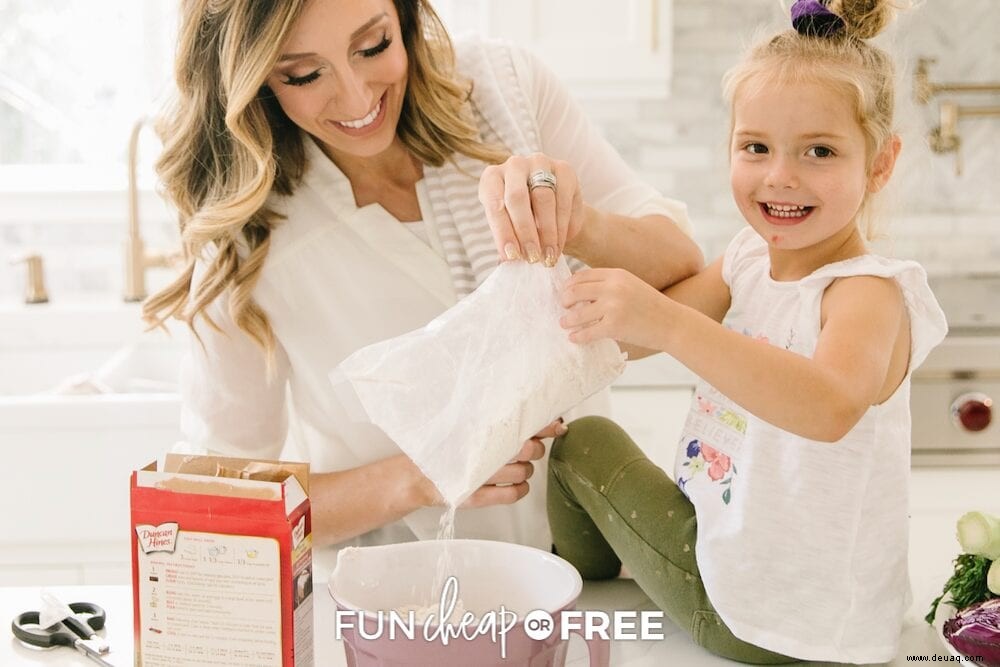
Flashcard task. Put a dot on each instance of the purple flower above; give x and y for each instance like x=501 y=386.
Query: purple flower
x=693 y=449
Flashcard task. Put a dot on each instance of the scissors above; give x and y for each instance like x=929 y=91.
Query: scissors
x=73 y=631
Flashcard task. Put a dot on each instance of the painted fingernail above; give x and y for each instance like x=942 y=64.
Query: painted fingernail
x=534 y=254
x=511 y=251
x=561 y=429
x=550 y=256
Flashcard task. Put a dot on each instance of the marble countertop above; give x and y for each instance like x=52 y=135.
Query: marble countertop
x=938 y=497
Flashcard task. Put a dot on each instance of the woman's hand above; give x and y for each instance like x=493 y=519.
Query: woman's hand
x=613 y=303
x=536 y=222
x=510 y=483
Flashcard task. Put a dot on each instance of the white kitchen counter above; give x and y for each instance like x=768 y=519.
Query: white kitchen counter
x=939 y=497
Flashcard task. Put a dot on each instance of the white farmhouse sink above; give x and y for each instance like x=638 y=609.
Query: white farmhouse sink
x=44 y=345
x=85 y=398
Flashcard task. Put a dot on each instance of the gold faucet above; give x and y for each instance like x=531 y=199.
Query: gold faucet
x=924 y=89
x=944 y=138
x=34 y=291
x=137 y=257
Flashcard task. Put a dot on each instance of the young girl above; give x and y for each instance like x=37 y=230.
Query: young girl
x=785 y=535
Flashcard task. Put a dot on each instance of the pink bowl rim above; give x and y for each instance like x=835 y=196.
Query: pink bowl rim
x=568 y=603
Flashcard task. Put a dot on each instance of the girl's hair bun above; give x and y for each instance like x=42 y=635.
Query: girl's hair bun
x=862 y=19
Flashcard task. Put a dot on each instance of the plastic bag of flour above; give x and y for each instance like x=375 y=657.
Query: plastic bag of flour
x=462 y=394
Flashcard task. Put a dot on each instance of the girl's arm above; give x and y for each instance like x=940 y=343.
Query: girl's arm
x=705 y=292
x=652 y=247
x=863 y=320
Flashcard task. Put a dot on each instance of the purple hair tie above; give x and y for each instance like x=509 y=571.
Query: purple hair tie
x=812 y=18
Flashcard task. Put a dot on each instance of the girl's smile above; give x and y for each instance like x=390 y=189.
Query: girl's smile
x=785 y=214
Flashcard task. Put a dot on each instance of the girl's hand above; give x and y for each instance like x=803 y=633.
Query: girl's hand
x=613 y=303
x=531 y=223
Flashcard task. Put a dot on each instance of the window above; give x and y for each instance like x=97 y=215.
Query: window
x=76 y=74
x=74 y=77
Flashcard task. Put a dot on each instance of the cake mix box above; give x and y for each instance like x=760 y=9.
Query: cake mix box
x=222 y=563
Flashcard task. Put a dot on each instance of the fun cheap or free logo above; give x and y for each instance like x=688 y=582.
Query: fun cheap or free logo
x=539 y=624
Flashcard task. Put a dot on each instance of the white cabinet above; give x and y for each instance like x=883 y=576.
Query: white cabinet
x=653 y=417
x=600 y=49
x=69 y=454
x=66 y=505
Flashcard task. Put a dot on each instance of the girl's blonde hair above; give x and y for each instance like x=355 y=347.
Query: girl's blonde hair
x=843 y=60
x=228 y=145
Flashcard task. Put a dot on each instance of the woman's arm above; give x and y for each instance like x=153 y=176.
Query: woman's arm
x=600 y=212
x=820 y=398
x=234 y=406
x=651 y=247
x=626 y=223
x=231 y=404
x=352 y=502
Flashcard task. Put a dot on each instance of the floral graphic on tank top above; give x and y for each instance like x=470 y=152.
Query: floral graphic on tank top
x=791 y=338
x=702 y=457
x=758 y=336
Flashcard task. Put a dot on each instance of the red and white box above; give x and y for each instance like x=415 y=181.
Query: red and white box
x=222 y=563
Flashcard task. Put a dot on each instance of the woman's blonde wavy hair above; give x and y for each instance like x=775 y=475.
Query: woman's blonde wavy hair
x=228 y=145
x=846 y=62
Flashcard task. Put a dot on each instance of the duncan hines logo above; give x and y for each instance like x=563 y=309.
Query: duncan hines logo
x=157 y=538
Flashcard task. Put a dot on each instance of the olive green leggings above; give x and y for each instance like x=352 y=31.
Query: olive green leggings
x=609 y=504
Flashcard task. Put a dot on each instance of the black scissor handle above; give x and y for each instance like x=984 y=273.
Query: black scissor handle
x=40 y=636
x=95 y=620
x=59 y=636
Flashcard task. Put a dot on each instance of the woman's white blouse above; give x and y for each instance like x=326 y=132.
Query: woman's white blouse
x=339 y=277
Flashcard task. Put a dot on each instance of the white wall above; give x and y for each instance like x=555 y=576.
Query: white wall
x=950 y=223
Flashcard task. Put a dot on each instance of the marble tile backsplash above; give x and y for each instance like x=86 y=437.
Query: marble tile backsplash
x=949 y=222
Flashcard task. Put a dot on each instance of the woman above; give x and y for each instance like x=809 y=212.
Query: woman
x=325 y=157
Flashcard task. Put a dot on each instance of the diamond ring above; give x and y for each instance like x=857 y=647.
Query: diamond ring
x=541 y=178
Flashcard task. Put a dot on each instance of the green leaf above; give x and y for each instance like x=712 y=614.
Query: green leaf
x=727 y=495
x=966 y=586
